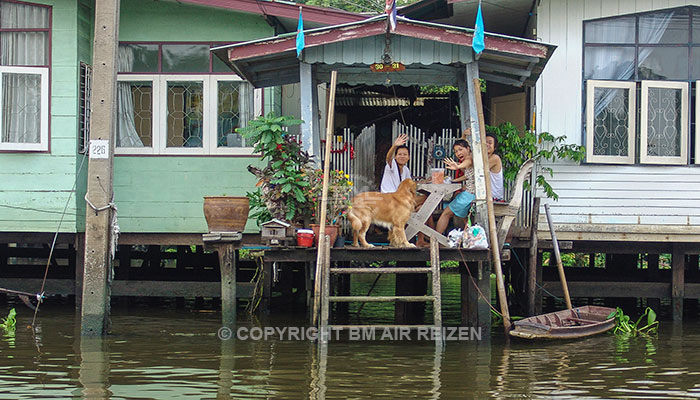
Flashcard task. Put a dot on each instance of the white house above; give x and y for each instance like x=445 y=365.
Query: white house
x=625 y=82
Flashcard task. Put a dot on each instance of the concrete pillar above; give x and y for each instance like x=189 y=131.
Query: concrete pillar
x=227 y=266
x=98 y=262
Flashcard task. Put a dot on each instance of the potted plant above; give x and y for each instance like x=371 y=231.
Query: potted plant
x=338 y=200
x=282 y=183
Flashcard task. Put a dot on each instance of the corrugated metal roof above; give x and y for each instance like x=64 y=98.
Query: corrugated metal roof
x=432 y=53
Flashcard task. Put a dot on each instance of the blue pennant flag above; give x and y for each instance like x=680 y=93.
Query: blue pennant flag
x=478 y=41
x=300 y=35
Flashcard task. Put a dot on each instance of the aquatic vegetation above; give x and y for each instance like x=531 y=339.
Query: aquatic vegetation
x=646 y=323
x=9 y=323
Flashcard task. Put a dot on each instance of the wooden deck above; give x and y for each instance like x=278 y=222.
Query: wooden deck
x=308 y=254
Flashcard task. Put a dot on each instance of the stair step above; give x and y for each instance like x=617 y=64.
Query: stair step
x=407 y=270
x=381 y=298
x=381 y=326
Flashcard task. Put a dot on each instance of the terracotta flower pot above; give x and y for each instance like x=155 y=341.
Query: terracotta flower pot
x=226 y=213
x=331 y=230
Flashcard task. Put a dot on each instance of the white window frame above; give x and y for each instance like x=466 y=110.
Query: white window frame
x=214 y=101
x=163 y=113
x=155 y=139
x=697 y=122
x=684 y=112
x=159 y=128
x=591 y=85
x=43 y=144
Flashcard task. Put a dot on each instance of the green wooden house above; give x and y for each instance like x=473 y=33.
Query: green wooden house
x=178 y=107
x=177 y=110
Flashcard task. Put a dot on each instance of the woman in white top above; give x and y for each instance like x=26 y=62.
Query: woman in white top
x=396 y=168
x=495 y=167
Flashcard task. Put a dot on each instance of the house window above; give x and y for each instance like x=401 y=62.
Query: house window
x=609 y=122
x=85 y=91
x=649 y=60
x=172 y=99
x=664 y=123
x=24 y=76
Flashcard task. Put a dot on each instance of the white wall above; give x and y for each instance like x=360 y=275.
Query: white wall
x=605 y=201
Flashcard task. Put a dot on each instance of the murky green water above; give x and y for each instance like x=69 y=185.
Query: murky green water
x=176 y=354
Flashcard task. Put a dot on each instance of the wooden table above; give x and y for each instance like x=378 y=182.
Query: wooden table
x=437 y=193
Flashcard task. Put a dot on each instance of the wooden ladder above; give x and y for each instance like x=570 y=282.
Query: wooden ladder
x=434 y=297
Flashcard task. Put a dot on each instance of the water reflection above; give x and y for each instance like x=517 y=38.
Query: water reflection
x=94 y=368
x=178 y=355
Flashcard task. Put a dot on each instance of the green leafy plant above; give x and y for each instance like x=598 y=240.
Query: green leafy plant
x=9 y=323
x=282 y=181
x=646 y=323
x=516 y=147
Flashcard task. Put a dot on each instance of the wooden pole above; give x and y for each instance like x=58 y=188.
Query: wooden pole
x=324 y=193
x=493 y=233
x=98 y=261
x=560 y=266
x=532 y=271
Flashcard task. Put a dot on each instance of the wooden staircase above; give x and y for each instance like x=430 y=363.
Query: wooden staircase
x=435 y=297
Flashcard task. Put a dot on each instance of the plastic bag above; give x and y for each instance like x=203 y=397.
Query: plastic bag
x=475 y=238
x=454 y=238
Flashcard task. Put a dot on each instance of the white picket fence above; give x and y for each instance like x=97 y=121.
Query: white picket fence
x=361 y=166
x=419 y=146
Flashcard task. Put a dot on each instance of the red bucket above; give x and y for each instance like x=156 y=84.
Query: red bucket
x=305 y=238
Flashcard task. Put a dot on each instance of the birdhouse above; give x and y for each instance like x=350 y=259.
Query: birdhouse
x=277 y=233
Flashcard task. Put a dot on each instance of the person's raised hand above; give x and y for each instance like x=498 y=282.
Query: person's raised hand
x=450 y=163
x=401 y=140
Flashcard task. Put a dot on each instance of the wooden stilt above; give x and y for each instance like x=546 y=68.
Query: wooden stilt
x=532 y=264
x=557 y=255
x=324 y=190
x=493 y=233
x=227 y=267
x=678 y=281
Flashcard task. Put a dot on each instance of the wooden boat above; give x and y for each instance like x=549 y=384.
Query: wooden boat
x=566 y=324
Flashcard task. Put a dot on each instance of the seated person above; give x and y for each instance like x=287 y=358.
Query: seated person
x=495 y=167
x=461 y=204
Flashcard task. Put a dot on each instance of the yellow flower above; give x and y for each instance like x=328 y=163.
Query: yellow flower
x=349 y=183
x=340 y=172
x=347 y=176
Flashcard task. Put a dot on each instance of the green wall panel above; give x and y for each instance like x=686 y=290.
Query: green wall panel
x=172 y=21
x=165 y=194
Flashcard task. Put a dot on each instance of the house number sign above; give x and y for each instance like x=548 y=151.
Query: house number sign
x=391 y=67
x=99 y=149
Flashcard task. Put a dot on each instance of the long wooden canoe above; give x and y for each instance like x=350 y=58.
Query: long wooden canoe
x=566 y=324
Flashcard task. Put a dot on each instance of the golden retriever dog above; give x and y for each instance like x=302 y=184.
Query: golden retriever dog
x=390 y=210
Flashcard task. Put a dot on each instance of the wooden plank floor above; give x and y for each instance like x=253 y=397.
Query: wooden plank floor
x=385 y=253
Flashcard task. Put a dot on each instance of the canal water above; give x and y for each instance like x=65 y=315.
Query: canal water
x=158 y=351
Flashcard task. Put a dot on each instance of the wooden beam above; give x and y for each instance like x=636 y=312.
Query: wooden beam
x=98 y=235
x=375 y=254
x=678 y=280
x=532 y=264
x=495 y=66
x=485 y=176
x=611 y=289
x=501 y=79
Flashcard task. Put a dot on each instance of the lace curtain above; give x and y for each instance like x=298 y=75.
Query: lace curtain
x=21 y=94
x=127 y=136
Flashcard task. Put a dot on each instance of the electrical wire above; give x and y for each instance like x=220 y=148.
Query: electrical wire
x=53 y=244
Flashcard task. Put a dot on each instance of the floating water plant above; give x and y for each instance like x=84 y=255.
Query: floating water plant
x=646 y=323
x=8 y=324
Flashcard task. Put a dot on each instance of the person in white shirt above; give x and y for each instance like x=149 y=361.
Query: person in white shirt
x=396 y=168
